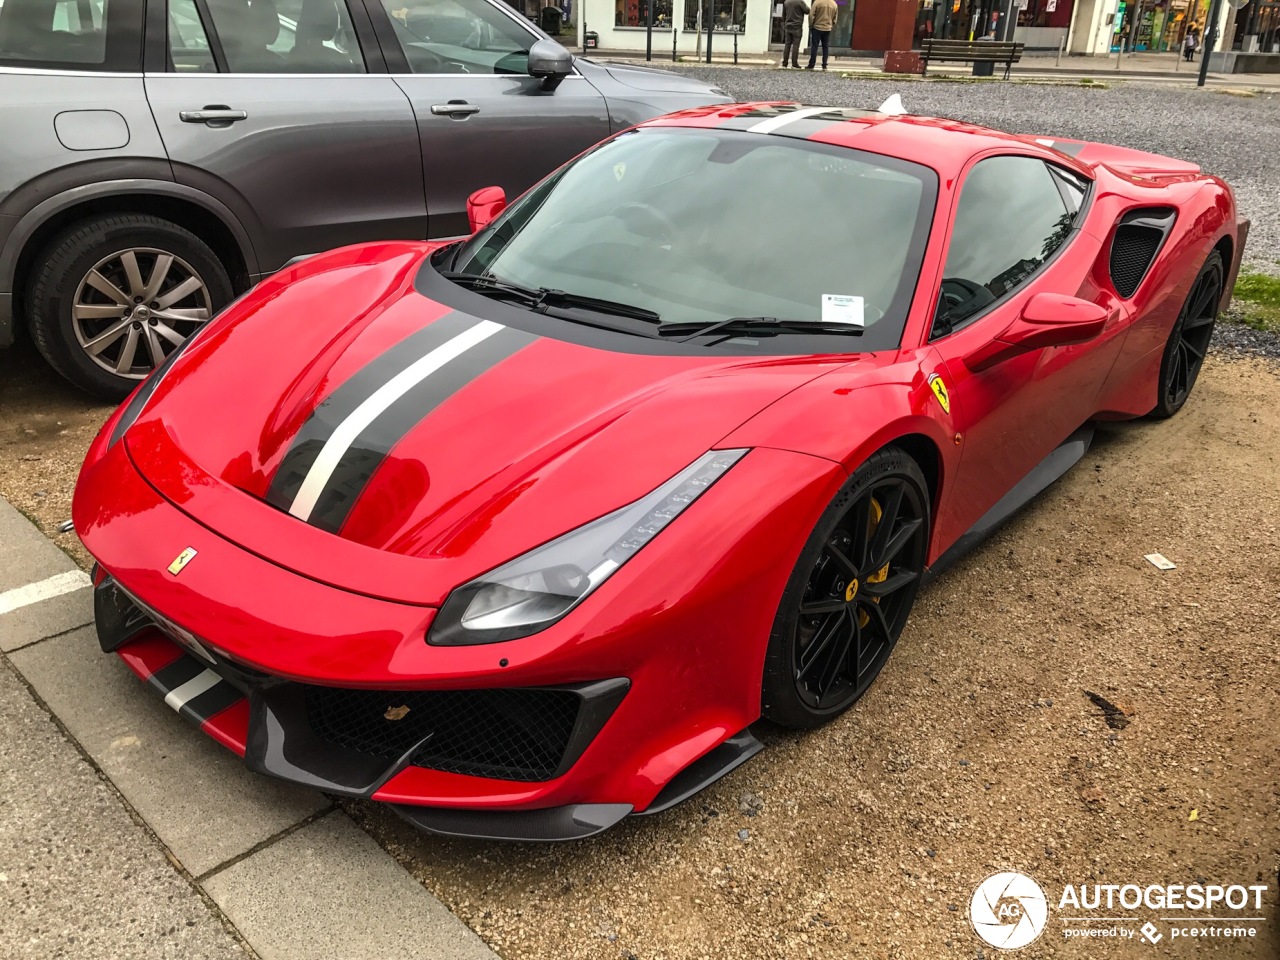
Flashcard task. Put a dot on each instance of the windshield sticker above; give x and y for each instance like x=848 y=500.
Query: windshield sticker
x=838 y=308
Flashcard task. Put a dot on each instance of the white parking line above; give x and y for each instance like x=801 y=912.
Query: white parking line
x=54 y=586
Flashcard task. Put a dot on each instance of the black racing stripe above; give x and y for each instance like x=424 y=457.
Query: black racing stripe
x=343 y=402
x=213 y=701
x=176 y=674
x=366 y=454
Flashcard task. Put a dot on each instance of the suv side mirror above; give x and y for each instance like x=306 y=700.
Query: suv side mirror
x=483 y=205
x=1047 y=320
x=549 y=62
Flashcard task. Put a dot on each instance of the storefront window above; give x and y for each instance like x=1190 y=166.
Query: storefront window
x=1045 y=13
x=635 y=13
x=727 y=14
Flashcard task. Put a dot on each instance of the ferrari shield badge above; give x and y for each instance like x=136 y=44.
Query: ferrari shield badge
x=940 y=391
x=181 y=560
x=619 y=171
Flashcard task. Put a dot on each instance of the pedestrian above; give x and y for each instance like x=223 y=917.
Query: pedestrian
x=793 y=14
x=1190 y=42
x=821 y=22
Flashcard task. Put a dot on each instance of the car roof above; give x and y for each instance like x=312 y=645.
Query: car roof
x=943 y=144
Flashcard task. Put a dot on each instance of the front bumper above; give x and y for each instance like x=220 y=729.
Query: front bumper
x=352 y=743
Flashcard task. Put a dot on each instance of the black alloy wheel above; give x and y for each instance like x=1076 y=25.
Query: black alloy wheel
x=850 y=593
x=1189 y=339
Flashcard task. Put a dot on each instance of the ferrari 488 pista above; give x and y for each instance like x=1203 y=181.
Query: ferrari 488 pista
x=521 y=533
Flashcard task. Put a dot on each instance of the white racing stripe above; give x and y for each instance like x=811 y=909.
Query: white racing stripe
x=340 y=441
x=773 y=123
x=200 y=683
x=54 y=586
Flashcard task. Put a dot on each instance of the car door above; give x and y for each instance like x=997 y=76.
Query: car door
x=1015 y=232
x=482 y=119
x=282 y=110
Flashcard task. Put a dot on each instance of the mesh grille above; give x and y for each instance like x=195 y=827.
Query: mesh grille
x=513 y=734
x=1132 y=251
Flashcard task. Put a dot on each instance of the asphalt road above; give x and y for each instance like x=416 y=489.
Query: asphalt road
x=1229 y=135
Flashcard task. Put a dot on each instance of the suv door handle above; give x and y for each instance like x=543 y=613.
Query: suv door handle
x=458 y=109
x=214 y=114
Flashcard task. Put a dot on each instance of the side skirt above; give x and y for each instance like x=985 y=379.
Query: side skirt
x=1063 y=458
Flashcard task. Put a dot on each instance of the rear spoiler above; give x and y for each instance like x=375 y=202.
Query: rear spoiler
x=1126 y=162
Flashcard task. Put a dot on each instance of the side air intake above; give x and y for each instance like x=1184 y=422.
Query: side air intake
x=1134 y=246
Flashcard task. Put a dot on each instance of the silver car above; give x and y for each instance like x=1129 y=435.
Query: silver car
x=159 y=156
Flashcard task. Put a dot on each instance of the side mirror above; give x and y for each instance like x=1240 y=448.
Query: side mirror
x=549 y=62
x=1047 y=320
x=483 y=205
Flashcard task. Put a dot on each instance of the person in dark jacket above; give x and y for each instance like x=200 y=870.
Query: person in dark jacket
x=793 y=14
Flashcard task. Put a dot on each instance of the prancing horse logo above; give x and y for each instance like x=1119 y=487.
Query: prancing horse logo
x=181 y=560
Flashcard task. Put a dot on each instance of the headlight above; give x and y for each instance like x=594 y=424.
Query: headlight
x=535 y=590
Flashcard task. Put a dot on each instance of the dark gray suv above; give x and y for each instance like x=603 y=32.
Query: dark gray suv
x=159 y=156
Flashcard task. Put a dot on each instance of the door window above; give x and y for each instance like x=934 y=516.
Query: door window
x=188 y=43
x=289 y=36
x=1011 y=219
x=65 y=33
x=459 y=36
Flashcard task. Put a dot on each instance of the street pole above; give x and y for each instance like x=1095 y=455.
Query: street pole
x=711 y=25
x=1210 y=39
x=648 y=32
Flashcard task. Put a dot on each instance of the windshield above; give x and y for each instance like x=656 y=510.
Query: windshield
x=698 y=226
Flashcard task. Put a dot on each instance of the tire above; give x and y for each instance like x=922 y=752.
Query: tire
x=1189 y=339
x=841 y=594
x=84 y=306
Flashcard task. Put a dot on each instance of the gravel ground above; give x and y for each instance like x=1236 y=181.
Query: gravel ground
x=1233 y=137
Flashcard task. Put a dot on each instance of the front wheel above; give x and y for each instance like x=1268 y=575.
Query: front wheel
x=849 y=595
x=1189 y=339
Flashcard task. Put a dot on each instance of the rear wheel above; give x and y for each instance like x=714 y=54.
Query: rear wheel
x=1189 y=339
x=849 y=595
x=113 y=297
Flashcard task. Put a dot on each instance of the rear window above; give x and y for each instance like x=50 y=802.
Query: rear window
x=71 y=34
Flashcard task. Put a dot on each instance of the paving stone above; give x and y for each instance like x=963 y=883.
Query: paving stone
x=78 y=876
x=327 y=890
x=197 y=796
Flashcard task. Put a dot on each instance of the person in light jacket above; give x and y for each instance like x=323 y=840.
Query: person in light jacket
x=821 y=22
x=793 y=14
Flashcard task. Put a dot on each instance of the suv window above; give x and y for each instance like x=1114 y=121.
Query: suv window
x=261 y=36
x=458 y=36
x=66 y=33
x=1011 y=219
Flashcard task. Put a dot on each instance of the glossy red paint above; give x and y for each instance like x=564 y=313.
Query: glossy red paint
x=558 y=434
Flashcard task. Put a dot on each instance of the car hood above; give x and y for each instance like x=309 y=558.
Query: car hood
x=658 y=81
x=292 y=426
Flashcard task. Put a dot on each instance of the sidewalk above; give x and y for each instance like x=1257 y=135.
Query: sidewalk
x=126 y=833
x=1160 y=67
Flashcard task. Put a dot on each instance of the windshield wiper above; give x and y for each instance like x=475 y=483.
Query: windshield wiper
x=760 y=326
x=543 y=297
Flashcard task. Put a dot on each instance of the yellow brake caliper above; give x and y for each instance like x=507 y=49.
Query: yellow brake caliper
x=883 y=573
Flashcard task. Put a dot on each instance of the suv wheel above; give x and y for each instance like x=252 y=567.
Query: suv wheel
x=114 y=296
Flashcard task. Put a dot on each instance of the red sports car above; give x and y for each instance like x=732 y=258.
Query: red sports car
x=522 y=533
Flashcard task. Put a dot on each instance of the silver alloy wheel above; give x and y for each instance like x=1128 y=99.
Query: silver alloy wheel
x=135 y=306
